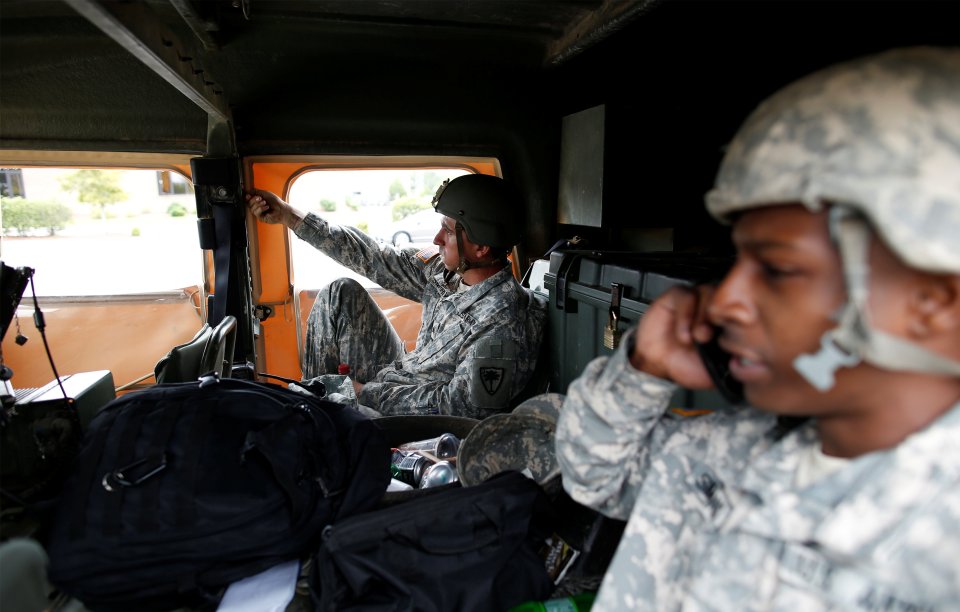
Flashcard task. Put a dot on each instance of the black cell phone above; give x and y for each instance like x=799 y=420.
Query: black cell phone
x=717 y=363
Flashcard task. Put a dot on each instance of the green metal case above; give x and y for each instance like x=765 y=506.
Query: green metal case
x=590 y=292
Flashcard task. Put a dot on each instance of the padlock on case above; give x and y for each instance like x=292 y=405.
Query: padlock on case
x=612 y=332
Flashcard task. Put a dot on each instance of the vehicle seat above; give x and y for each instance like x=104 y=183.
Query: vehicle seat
x=210 y=350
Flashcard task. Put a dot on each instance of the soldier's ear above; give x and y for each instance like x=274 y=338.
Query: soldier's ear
x=935 y=306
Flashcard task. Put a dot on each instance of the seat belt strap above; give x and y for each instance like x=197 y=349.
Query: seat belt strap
x=223 y=224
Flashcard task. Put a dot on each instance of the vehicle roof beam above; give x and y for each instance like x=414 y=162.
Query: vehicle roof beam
x=595 y=26
x=185 y=9
x=138 y=30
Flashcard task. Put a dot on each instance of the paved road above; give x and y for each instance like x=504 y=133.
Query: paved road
x=104 y=259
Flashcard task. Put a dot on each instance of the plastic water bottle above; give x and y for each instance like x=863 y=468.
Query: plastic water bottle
x=442 y=447
x=581 y=602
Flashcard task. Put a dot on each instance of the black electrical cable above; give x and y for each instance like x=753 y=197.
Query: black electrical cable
x=39 y=323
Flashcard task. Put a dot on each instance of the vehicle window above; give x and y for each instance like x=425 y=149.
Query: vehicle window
x=390 y=205
x=91 y=231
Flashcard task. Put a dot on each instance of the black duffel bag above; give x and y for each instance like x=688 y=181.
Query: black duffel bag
x=470 y=549
x=181 y=489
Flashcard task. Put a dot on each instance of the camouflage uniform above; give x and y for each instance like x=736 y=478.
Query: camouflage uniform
x=476 y=348
x=720 y=512
x=716 y=521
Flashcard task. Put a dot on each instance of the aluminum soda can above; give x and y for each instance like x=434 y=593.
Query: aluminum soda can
x=444 y=446
x=438 y=474
x=410 y=468
x=395 y=459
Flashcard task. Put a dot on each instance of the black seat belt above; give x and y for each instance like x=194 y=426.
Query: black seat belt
x=222 y=225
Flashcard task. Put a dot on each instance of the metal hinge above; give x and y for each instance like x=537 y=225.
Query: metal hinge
x=262 y=312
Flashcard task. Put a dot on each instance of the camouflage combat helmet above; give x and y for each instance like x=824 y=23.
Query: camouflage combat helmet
x=520 y=440
x=487 y=209
x=877 y=139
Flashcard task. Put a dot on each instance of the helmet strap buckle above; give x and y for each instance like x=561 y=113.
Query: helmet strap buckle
x=819 y=368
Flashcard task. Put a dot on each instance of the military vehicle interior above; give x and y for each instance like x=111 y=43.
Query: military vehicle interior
x=438 y=77
x=610 y=115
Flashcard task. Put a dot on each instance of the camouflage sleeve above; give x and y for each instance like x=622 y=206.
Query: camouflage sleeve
x=484 y=382
x=606 y=430
x=398 y=395
x=398 y=270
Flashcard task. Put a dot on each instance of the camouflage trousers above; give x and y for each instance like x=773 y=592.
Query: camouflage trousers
x=346 y=326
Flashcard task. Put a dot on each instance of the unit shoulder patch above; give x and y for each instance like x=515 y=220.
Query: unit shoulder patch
x=491 y=378
x=494 y=369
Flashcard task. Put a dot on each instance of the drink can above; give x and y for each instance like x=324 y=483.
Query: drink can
x=395 y=460
x=442 y=447
x=438 y=474
x=410 y=468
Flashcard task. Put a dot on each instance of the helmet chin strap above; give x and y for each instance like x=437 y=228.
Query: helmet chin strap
x=853 y=339
x=465 y=265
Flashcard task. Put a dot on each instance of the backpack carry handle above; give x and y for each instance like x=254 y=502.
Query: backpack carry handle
x=121 y=477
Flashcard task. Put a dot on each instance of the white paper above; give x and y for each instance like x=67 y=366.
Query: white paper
x=398 y=485
x=269 y=591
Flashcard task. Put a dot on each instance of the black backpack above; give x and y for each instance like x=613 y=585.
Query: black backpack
x=181 y=489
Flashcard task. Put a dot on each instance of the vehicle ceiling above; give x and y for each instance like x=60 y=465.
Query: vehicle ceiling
x=435 y=77
x=349 y=75
x=242 y=56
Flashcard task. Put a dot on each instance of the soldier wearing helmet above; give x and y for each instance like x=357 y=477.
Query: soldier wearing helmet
x=480 y=333
x=842 y=311
x=483 y=210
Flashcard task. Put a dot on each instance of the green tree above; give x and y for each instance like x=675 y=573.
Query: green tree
x=405 y=207
x=97 y=188
x=54 y=216
x=328 y=205
x=176 y=209
x=24 y=215
x=431 y=181
x=397 y=189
